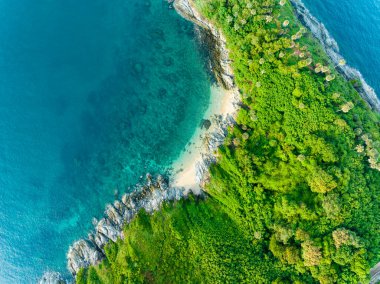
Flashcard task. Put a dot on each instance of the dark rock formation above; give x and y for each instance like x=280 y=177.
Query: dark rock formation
x=214 y=140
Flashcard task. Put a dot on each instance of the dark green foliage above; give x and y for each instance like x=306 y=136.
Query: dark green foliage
x=294 y=195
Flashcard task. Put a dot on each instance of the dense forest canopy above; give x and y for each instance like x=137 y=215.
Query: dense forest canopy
x=294 y=195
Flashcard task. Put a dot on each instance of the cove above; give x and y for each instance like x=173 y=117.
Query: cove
x=94 y=94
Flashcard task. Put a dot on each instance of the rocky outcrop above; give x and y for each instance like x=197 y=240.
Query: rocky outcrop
x=52 y=278
x=220 y=60
x=332 y=49
x=149 y=196
x=375 y=274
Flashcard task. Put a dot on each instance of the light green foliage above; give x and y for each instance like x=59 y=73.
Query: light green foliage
x=294 y=195
x=187 y=242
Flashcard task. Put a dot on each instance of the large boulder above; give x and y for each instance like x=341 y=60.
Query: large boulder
x=82 y=254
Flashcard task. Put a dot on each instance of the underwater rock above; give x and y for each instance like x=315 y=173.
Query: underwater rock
x=137 y=69
x=206 y=123
x=52 y=278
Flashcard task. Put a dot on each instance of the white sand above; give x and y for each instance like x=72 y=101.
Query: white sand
x=222 y=102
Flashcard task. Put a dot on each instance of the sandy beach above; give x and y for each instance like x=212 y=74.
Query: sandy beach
x=222 y=103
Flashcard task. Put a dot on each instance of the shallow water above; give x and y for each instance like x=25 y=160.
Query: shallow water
x=93 y=95
x=355 y=24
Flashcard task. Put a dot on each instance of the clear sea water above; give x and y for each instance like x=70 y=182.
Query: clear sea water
x=93 y=94
x=355 y=25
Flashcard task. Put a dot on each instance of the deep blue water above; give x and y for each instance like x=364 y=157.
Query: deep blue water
x=93 y=94
x=355 y=24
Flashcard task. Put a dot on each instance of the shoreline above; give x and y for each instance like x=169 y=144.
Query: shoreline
x=190 y=167
x=330 y=46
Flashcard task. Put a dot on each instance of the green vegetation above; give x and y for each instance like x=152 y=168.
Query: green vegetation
x=294 y=196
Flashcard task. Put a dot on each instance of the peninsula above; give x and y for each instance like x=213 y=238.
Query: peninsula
x=289 y=177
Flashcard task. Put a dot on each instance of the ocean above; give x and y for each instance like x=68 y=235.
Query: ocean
x=93 y=95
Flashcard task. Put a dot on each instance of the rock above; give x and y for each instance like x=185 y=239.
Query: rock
x=375 y=274
x=94 y=221
x=108 y=229
x=168 y=61
x=51 y=277
x=137 y=69
x=124 y=199
x=206 y=123
x=82 y=254
x=113 y=215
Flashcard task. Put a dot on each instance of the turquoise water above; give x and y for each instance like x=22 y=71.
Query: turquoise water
x=355 y=24
x=94 y=94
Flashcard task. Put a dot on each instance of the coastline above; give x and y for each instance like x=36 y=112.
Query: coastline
x=190 y=169
x=331 y=48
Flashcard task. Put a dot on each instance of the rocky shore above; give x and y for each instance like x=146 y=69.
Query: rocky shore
x=332 y=49
x=220 y=59
x=220 y=65
x=149 y=196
